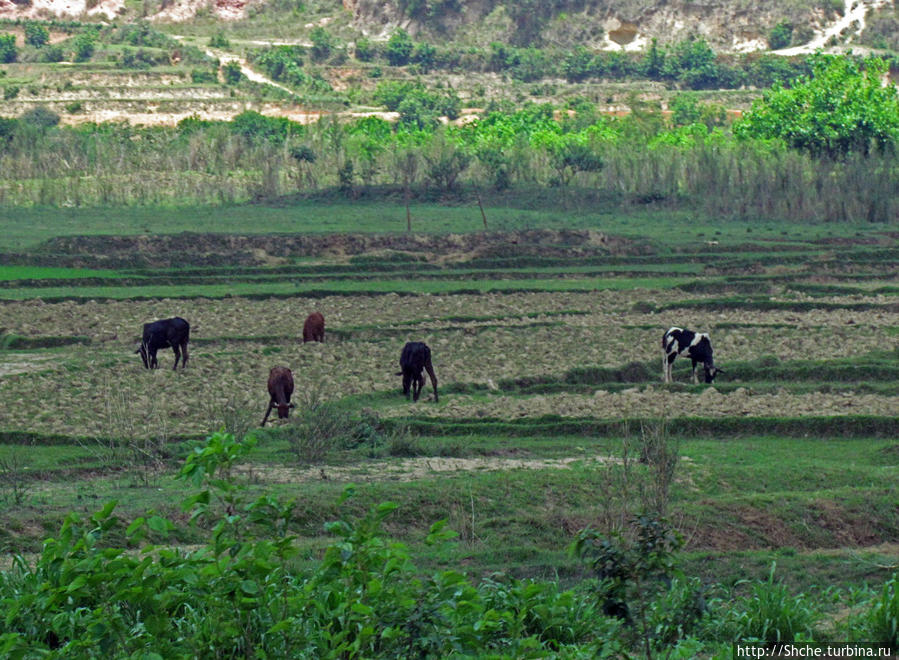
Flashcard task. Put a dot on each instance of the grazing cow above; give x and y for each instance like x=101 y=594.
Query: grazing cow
x=696 y=345
x=174 y=333
x=280 y=387
x=416 y=357
x=314 y=328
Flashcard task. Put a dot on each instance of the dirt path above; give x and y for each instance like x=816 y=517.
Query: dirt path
x=410 y=469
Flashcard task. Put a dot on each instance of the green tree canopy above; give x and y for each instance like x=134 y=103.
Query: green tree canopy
x=841 y=108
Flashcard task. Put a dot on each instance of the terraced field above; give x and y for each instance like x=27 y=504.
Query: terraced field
x=546 y=346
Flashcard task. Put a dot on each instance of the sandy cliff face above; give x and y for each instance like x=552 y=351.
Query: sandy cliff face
x=600 y=24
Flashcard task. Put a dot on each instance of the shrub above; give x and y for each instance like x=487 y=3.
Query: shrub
x=781 y=36
x=425 y=56
x=219 y=40
x=578 y=64
x=84 y=46
x=231 y=73
x=40 y=117
x=399 y=48
x=200 y=76
x=364 y=51
x=54 y=53
x=253 y=125
x=10 y=92
x=283 y=63
x=36 y=35
x=8 y=50
x=322 y=44
x=317 y=428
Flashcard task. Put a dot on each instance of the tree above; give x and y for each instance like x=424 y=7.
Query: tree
x=231 y=73
x=781 y=35
x=36 y=35
x=578 y=64
x=322 y=44
x=8 y=51
x=84 y=47
x=399 y=48
x=840 y=109
x=425 y=56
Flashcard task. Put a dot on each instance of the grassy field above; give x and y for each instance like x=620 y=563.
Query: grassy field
x=550 y=386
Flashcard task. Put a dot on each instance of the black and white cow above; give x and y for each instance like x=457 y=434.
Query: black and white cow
x=696 y=345
x=416 y=358
x=174 y=333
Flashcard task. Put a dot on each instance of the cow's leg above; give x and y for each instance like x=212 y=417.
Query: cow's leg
x=184 y=355
x=695 y=377
x=418 y=383
x=664 y=366
x=271 y=404
x=177 y=351
x=407 y=381
x=154 y=363
x=433 y=378
x=669 y=367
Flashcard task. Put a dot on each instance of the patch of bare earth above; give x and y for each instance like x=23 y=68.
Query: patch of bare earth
x=21 y=363
x=411 y=469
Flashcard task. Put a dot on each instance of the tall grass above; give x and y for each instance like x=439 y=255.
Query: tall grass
x=721 y=177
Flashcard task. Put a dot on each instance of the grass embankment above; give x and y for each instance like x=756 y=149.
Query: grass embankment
x=517 y=500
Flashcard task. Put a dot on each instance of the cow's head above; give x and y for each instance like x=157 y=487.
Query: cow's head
x=284 y=409
x=711 y=371
x=144 y=354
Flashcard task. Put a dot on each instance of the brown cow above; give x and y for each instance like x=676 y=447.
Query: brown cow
x=280 y=387
x=314 y=328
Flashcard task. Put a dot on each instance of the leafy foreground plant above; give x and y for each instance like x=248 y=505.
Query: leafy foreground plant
x=236 y=596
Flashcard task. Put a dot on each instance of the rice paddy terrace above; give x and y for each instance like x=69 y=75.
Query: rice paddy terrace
x=546 y=343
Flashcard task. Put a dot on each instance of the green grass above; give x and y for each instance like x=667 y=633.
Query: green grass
x=339 y=287
x=50 y=273
x=27 y=227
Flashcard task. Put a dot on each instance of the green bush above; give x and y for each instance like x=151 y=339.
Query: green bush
x=399 y=48
x=36 y=34
x=282 y=63
x=8 y=50
x=240 y=591
x=231 y=73
x=219 y=40
x=781 y=36
x=84 y=45
x=254 y=126
x=364 y=50
x=10 y=92
x=322 y=44
x=200 y=76
x=40 y=117
x=54 y=53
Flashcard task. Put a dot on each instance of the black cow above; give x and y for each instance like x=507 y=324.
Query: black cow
x=698 y=348
x=280 y=388
x=415 y=358
x=174 y=332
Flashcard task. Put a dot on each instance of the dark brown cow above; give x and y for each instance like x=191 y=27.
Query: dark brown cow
x=173 y=332
x=314 y=328
x=280 y=387
x=416 y=358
